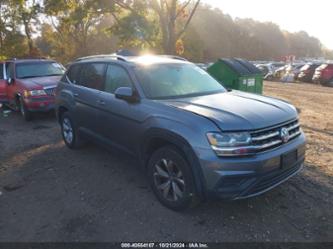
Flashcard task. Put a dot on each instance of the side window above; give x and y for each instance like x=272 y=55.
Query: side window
x=116 y=77
x=1 y=72
x=72 y=74
x=92 y=75
x=10 y=70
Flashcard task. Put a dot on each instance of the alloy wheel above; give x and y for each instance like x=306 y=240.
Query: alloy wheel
x=67 y=130
x=169 y=180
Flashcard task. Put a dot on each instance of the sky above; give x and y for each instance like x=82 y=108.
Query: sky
x=314 y=17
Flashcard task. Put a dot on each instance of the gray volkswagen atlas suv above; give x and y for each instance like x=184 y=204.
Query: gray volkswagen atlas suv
x=194 y=139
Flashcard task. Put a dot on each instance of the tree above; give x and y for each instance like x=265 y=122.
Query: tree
x=136 y=26
x=174 y=19
x=29 y=12
x=12 y=42
x=170 y=18
x=73 y=28
x=76 y=20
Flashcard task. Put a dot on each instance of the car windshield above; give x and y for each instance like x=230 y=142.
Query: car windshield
x=165 y=81
x=323 y=66
x=31 y=70
x=306 y=67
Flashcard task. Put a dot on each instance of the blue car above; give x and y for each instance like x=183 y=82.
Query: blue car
x=194 y=139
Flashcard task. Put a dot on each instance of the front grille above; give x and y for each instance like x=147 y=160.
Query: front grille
x=39 y=99
x=50 y=91
x=270 y=138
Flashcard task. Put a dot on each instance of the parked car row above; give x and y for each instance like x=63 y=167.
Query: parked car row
x=194 y=139
x=321 y=73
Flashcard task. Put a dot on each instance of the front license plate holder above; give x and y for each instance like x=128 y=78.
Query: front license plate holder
x=289 y=159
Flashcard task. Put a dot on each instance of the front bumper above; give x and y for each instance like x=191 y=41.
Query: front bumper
x=269 y=181
x=40 y=104
x=3 y=100
x=239 y=178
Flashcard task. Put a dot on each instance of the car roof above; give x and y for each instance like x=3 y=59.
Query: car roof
x=153 y=59
x=144 y=59
x=29 y=60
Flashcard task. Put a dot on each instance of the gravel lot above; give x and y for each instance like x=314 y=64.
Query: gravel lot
x=51 y=193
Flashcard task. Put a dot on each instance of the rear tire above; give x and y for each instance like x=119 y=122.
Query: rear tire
x=26 y=114
x=171 y=179
x=70 y=133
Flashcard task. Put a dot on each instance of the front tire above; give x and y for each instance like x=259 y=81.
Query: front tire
x=26 y=114
x=69 y=132
x=171 y=179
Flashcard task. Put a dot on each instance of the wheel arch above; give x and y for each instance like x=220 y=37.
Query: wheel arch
x=157 y=138
x=17 y=96
x=60 y=111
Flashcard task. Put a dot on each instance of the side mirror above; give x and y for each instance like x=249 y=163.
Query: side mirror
x=10 y=81
x=126 y=93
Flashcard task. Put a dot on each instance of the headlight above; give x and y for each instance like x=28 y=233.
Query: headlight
x=230 y=144
x=34 y=93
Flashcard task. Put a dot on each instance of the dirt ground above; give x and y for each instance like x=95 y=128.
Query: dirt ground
x=51 y=193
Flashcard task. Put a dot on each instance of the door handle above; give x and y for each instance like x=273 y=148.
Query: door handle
x=101 y=102
x=76 y=95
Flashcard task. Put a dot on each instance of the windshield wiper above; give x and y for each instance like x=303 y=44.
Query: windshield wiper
x=55 y=74
x=30 y=76
x=37 y=76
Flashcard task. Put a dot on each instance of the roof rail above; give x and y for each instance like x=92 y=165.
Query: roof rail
x=174 y=57
x=118 y=57
x=28 y=58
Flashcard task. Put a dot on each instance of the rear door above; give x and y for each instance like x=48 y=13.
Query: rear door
x=86 y=89
x=3 y=84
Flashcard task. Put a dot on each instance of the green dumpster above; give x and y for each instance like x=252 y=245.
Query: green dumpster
x=237 y=74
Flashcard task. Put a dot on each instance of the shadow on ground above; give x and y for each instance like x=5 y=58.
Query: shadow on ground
x=51 y=193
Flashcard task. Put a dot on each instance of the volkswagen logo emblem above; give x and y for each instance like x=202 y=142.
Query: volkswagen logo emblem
x=284 y=134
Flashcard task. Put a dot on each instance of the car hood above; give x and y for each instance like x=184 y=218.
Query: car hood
x=39 y=82
x=238 y=111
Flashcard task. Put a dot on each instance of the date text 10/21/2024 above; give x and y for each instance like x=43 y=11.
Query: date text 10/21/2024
x=164 y=245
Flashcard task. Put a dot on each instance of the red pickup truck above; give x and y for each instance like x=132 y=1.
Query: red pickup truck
x=28 y=85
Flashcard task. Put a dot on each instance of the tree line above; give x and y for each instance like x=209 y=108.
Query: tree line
x=66 y=29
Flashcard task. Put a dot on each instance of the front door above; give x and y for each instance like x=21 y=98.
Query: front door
x=120 y=120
